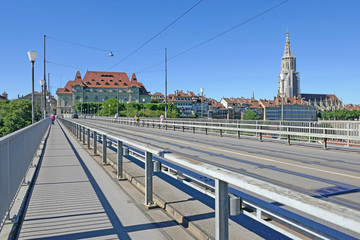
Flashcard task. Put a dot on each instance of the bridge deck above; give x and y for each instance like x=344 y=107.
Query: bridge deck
x=73 y=198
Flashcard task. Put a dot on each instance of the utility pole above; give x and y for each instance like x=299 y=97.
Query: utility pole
x=44 y=79
x=165 y=83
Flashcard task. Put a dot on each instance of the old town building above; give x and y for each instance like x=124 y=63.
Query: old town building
x=98 y=87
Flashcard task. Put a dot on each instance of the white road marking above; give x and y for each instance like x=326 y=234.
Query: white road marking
x=262 y=158
x=253 y=156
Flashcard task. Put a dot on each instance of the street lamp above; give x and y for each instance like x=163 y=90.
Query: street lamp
x=143 y=107
x=42 y=83
x=282 y=78
x=32 y=57
x=117 y=99
x=202 y=95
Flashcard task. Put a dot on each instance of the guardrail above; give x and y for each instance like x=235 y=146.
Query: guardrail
x=325 y=132
x=225 y=204
x=16 y=154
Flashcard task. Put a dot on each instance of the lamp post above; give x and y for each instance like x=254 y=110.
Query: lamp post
x=127 y=109
x=143 y=106
x=117 y=99
x=282 y=78
x=42 y=83
x=202 y=95
x=32 y=57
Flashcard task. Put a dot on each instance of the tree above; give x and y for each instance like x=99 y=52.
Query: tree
x=15 y=115
x=250 y=115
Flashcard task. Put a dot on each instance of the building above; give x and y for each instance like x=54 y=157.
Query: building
x=4 y=96
x=158 y=96
x=98 y=87
x=184 y=101
x=292 y=109
x=39 y=101
x=189 y=103
x=323 y=102
x=352 y=107
x=290 y=85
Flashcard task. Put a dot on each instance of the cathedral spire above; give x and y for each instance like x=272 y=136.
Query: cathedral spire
x=287 y=51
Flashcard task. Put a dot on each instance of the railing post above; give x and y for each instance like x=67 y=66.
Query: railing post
x=193 y=129
x=206 y=131
x=221 y=133
x=183 y=128
x=119 y=160
x=288 y=139
x=95 y=143
x=260 y=137
x=238 y=134
x=148 y=179
x=221 y=210
x=174 y=126
x=88 y=138
x=166 y=126
x=83 y=135
x=104 y=144
x=80 y=128
x=77 y=130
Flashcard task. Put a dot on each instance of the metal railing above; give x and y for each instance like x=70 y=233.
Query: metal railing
x=225 y=204
x=342 y=134
x=16 y=154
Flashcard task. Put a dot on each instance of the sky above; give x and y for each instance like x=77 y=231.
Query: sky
x=324 y=37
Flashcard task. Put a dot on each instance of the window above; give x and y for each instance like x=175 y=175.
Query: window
x=107 y=83
x=116 y=84
x=97 y=83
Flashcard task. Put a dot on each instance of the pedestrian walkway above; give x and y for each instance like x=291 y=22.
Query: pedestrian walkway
x=74 y=198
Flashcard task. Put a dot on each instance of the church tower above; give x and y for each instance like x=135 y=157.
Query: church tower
x=290 y=86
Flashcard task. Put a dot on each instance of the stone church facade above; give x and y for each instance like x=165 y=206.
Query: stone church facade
x=289 y=86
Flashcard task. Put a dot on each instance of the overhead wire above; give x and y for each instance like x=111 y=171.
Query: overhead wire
x=218 y=35
x=79 y=44
x=152 y=38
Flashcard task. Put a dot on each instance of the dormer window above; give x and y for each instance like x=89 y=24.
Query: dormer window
x=125 y=84
x=102 y=80
x=97 y=83
x=88 y=83
x=92 y=79
x=107 y=83
x=116 y=84
x=111 y=80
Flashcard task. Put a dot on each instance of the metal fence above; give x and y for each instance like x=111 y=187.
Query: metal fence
x=225 y=204
x=16 y=154
x=340 y=133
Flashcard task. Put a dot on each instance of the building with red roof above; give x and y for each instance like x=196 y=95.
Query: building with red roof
x=98 y=87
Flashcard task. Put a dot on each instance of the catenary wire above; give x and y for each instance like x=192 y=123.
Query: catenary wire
x=216 y=36
x=169 y=25
x=79 y=44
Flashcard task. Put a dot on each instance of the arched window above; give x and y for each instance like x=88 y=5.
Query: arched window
x=287 y=65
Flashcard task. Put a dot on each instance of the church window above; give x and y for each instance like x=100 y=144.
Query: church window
x=287 y=65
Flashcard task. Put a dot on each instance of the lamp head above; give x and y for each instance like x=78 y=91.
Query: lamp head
x=32 y=56
x=202 y=90
x=42 y=82
x=111 y=54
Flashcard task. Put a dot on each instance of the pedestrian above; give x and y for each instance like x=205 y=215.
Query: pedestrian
x=52 y=119
x=137 y=119
x=162 y=118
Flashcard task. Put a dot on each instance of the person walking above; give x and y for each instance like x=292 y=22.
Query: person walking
x=137 y=120
x=52 y=119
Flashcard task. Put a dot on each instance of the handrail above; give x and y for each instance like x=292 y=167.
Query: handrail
x=17 y=150
x=334 y=213
x=324 y=133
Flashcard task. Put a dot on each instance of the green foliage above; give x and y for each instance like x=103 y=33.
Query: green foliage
x=15 y=115
x=250 y=115
x=341 y=114
x=154 y=100
x=128 y=109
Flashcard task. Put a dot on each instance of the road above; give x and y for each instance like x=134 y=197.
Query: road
x=303 y=168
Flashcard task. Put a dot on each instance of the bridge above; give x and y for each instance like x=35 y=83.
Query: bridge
x=181 y=179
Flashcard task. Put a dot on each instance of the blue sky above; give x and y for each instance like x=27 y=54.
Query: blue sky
x=324 y=36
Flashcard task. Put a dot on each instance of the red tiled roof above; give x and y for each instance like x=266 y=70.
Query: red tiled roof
x=93 y=79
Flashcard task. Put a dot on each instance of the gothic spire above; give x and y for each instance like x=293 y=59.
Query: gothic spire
x=287 y=51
